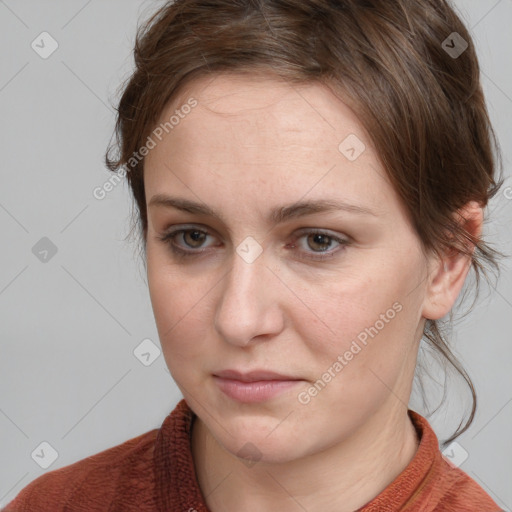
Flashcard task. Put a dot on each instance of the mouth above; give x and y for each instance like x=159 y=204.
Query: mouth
x=253 y=386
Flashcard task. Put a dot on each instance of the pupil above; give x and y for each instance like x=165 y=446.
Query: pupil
x=196 y=235
x=318 y=239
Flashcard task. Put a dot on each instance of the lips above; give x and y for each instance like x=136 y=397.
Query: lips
x=253 y=386
x=253 y=375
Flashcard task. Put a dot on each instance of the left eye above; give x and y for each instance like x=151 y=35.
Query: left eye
x=194 y=238
x=319 y=240
x=197 y=236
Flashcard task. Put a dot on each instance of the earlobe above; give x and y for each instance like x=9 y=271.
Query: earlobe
x=448 y=273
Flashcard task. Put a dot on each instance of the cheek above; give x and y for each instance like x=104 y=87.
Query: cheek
x=180 y=305
x=368 y=319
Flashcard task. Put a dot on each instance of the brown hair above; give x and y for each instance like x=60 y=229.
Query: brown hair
x=422 y=106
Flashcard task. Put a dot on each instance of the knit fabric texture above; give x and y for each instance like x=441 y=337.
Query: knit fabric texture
x=154 y=472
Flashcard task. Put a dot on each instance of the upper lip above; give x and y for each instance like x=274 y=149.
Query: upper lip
x=253 y=375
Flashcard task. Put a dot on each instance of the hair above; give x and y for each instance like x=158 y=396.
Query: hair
x=422 y=107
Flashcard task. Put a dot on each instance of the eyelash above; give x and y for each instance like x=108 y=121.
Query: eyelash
x=168 y=239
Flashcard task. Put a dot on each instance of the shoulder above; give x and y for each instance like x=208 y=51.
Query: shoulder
x=462 y=492
x=90 y=483
x=436 y=484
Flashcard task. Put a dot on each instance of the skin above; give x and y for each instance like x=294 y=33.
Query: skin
x=252 y=144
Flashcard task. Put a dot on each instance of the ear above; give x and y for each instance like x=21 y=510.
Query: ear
x=447 y=274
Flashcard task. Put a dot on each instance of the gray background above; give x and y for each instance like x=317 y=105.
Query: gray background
x=69 y=326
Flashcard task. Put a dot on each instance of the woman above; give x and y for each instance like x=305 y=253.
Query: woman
x=310 y=177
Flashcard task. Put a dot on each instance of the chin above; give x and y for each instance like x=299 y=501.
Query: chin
x=259 y=437
x=252 y=449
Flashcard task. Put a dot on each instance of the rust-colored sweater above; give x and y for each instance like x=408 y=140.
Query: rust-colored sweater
x=154 y=472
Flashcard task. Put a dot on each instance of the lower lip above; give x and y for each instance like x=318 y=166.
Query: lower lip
x=257 y=391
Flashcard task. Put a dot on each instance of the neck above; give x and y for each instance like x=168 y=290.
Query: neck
x=343 y=478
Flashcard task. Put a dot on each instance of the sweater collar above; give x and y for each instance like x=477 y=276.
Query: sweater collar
x=176 y=484
x=412 y=485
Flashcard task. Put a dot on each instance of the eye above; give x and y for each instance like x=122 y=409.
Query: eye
x=315 y=246
x=192 y=238
x=320 y=242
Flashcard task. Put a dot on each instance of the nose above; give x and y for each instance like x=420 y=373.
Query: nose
x=249 y=307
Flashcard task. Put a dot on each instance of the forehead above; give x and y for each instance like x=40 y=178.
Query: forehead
x=260 y=121
x=259 y=134
x=272 y=103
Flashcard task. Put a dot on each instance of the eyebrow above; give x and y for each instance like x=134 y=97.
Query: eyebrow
x=277 y=215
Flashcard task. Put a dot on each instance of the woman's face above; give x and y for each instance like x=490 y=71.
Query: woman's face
x=331 y=299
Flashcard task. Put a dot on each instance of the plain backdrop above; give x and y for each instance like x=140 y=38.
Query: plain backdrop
x=74 y=303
